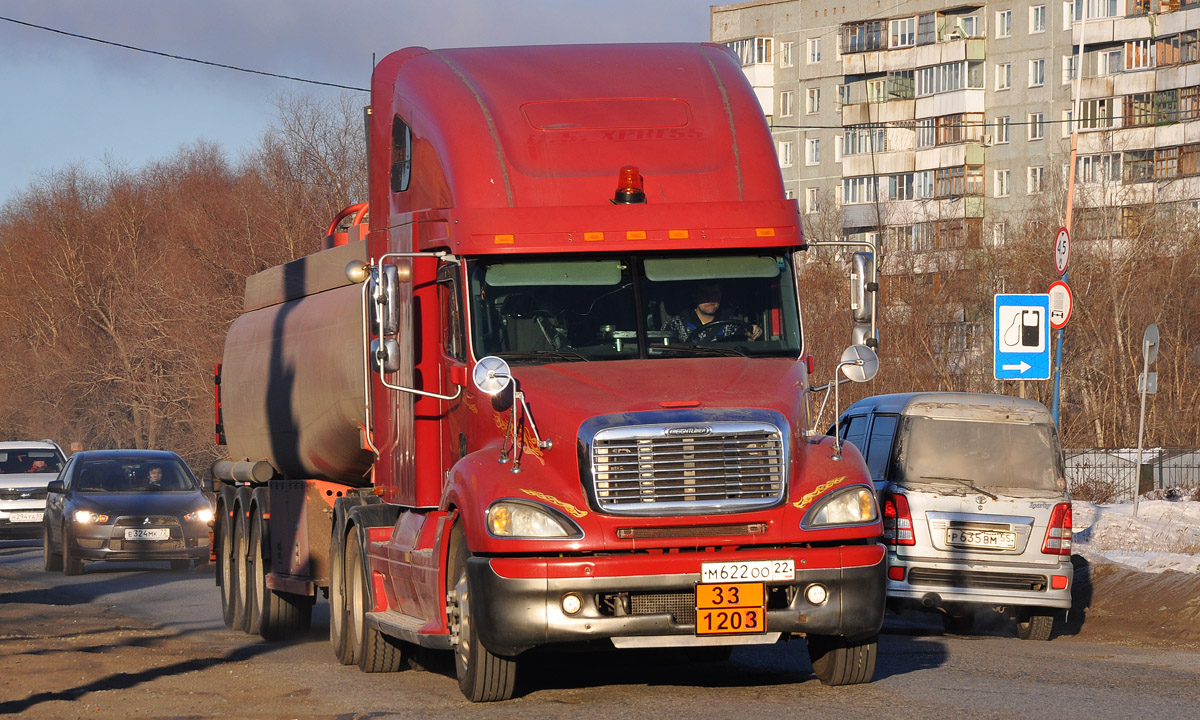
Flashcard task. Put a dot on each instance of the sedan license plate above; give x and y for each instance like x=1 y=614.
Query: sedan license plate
x=22 y=516
x=147 y=534
x=981 y=538
x=753 y=570
x=731 y=608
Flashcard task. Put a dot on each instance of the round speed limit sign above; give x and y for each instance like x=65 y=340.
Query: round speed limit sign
x=1062 y=250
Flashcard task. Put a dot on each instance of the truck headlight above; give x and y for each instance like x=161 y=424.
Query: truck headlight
x=851 y=506
x=518 y=519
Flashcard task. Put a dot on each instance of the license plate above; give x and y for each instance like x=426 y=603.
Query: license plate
x=754 y=570
x=147 y=534
x=731 y=608
x=981 y=538
x=25 y=516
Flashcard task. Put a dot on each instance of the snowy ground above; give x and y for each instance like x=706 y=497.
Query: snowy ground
x=1163 y=535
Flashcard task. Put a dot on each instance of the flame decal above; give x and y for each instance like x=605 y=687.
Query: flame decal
x=568 y=507
x=527 y=445
x=804 y=501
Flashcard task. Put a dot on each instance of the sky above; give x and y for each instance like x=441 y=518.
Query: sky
x=71 y=102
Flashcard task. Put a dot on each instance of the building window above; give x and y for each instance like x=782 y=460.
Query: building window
x=1166 y=163
x=1035 y=178
x=785 y=103
x=1003 y=76
x=1037 y=19
x=1004 y=24
x=903 y=33
x=863 y=139
x=1138 y=109
x=999 y=231
x=814 y=101
x=812 y=154
x=863 y=36
x=900 y=187
x=785 y=154
x=969 y=25
x=1137 y=166
x=1095 y=114
x=1139 y=54
x=858 y=190
x=974 y=186
x=785 y=54
x=1037 y=125
x=1037 y=72
x=949 y=182
x=1068 y=69
x=1097 y=169
x=1167 y=51
x=812 y=201
x=1000 y=182
x=1003 y=128
x=753 y=51
x=814 y=51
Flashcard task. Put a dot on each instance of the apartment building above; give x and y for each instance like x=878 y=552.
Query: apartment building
x=934 y=125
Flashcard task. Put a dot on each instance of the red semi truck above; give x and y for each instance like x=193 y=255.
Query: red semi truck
x=548 y=387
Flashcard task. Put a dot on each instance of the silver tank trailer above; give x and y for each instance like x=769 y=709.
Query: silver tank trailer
x=292 y=378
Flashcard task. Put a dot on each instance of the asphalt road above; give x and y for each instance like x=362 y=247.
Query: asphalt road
x=921 y=671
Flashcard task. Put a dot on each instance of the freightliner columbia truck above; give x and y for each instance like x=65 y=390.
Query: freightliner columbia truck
x=488 y=416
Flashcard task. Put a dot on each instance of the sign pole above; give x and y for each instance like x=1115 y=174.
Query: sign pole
x=1149 y=353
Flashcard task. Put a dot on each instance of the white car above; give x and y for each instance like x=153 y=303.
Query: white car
x=975 y=509
x=26 y=467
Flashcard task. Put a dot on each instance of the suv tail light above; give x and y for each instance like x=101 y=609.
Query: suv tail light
x=1058 y=535
x=897 y=521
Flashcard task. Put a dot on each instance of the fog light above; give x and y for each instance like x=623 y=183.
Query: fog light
x=1058 y=582
x=572 y=603
x=896 y=573
x=816 y=594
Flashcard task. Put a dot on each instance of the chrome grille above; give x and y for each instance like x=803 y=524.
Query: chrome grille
x=23 y=494
x=688 y=468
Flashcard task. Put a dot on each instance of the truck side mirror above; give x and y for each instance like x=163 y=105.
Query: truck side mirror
x=385 y=306
x=859 y=363
x=385 y=355
x=862 y=282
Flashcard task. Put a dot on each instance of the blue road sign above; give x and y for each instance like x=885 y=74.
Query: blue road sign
x=1022 y=337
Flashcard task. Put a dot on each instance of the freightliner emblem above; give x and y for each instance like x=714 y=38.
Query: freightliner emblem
x=697 y=430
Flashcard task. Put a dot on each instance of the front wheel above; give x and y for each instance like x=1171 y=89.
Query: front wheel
x=72 y=564
x=1035 y=626
x=51 y=561
x=837 y=661
x=482 y=676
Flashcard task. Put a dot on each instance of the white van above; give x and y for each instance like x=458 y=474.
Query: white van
x=976 y=511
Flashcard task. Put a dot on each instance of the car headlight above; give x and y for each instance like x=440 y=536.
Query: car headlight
x=202 y=515
x=89 y=517
x=517 y=519
x=851 y=506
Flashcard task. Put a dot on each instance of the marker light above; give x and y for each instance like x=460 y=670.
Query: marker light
x=629 y=187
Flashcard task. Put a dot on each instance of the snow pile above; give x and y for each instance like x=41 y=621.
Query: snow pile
x=1164 y=535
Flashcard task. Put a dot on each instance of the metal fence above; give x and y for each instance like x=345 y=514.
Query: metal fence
x=1108 y=474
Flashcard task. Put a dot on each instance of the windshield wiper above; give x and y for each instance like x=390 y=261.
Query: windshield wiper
x=543 y=355
x=961 y=481
x=697 y=350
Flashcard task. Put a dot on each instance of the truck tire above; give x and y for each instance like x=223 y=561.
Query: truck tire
x=226 y=570
x=837 y=661
x=1035 y=625
x=51 y=561
x=278 y=616
x=241 y=571
x=72 y=565
x=375 y=651
x=482 y=676
x=339 y=635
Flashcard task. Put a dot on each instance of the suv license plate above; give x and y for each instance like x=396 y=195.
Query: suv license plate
x=147 y=534
x=753 y=570
x=731 y=608
x=981 y=538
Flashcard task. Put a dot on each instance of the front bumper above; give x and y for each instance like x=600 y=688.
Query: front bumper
x=22 y=518
x=107 y=542
x=931 y=585
x=653 y=596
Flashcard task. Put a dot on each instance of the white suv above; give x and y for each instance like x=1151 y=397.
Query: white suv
x=975 y=510
x=26 y=468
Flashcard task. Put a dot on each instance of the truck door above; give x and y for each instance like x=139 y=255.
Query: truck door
x=453 y=360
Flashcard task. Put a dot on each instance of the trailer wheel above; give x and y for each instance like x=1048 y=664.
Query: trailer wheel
x=223 y=535
x=339 y=636
x=482 y=676
x=837 y=661
x=278 y=615
x=242 y=570
x=51 y=561
x=375 y=651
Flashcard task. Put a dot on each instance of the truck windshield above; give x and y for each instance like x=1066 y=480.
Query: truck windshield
x=979 y=455
x=612 y=307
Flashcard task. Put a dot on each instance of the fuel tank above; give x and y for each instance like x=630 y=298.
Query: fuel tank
x=292 y=378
